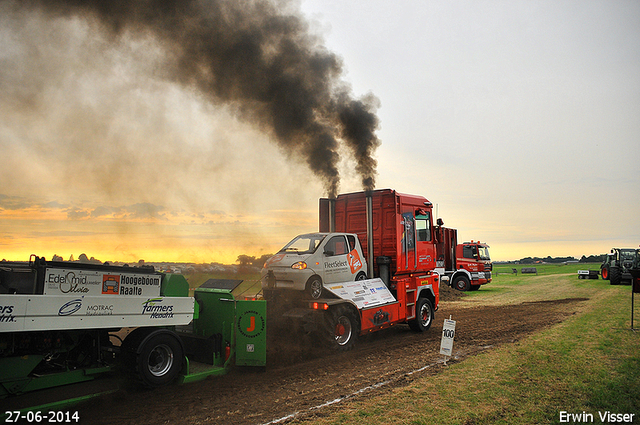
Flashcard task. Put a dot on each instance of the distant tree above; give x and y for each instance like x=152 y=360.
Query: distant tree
x=593 y=258
x=245 y=260
x=263 y=259
x=56 y=258
x=251 y=261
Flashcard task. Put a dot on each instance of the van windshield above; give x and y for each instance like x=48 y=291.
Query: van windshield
x=304 y=244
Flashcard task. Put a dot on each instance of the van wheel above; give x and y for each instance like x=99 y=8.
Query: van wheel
x=361 y=276
x=315 y=287
x=424 y=316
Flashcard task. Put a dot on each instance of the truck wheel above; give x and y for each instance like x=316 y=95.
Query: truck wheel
x=424 y=316
x=315 y=287
x=461 y=283
x=615 y=275
x=343 y=327
x=159 y=360
x=605 y=273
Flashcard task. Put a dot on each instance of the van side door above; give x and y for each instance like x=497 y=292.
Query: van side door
x=335 y=262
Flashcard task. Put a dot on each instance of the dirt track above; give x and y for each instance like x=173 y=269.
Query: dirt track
x=298 y=381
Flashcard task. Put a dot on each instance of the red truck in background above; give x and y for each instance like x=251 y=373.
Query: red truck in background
x=472 y=267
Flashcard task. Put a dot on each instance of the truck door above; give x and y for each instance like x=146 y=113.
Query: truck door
x=425 y=246
x=409 y=259
x=336 y=264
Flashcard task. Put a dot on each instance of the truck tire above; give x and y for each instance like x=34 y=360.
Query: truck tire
x=615 y=275
x=159 y=359
x=461 y=283
x=314 y=287
x=424 y=316
x=342 y=328
x=605 y=273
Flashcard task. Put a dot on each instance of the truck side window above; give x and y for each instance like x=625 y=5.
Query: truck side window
x=337 y=245
x=423 y=228
x=469 y=251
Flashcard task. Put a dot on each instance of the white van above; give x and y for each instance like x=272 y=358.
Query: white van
x=311 y=260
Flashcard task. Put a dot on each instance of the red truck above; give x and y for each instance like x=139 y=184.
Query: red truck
x=406 y=257
x=472 y=267
x=404 y=239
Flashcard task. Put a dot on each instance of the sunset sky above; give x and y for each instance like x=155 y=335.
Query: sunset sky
x=518 y=120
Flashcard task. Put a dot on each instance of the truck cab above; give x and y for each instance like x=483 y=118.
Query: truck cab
x=473 y=266
x=311 y=260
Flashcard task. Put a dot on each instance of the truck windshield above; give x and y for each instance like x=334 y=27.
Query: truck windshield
x=304 y=244
x=483 y=253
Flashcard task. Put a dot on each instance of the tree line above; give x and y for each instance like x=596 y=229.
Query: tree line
x=584 y=259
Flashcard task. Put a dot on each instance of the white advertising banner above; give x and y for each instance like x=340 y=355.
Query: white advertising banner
x=57 y=312
x=95 y=282
x=364 y=293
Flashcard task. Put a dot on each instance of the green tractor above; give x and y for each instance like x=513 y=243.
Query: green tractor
x=617 y=265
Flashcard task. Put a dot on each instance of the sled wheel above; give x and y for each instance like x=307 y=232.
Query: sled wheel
x=159 y=359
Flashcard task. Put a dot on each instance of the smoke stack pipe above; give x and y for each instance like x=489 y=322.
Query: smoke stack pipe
x=332 y=214
x=369 y=207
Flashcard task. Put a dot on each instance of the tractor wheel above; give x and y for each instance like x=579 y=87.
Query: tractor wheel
x=315 y=287
x=461 y=283
x=604 y=272
x=424 y=316
x=615 y=275
x=160 y=359
x=342 y=328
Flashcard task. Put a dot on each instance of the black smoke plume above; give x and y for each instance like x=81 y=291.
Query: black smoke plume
x=258 y=56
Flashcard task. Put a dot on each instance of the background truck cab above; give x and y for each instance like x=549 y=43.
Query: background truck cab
x=313 y=259
x=473 y=266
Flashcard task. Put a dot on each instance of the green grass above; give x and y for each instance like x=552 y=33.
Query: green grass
x=249 y=287
x=588 y=363
x=553 y=281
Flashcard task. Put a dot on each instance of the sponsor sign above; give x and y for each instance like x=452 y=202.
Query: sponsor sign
x=364 y=293
x=28 y=312
x=94 y=282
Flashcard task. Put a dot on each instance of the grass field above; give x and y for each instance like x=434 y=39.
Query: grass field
x=586 y=365
x=250 y=281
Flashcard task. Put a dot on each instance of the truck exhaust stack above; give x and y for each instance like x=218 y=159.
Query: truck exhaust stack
x=332 y=214
x=369 y=212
